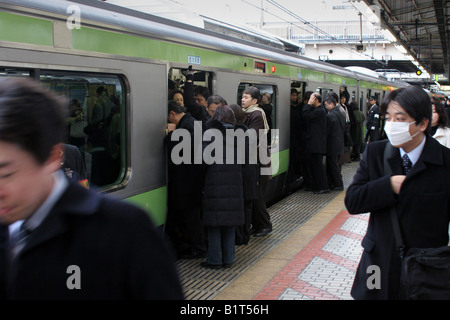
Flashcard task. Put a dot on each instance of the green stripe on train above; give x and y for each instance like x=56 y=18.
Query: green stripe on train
x=17 y=28
x=154 y=202
x=280 y=162
x=95 y=40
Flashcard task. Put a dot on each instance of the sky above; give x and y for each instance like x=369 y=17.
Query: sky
x=241 y=12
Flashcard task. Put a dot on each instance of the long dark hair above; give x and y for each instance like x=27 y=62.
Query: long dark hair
x=440 y=110
x=224 y=114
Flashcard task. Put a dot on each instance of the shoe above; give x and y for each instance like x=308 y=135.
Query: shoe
x=227 y=265
x=338 y=189
x=210 y=266
x=322 y=191
x=263 y=232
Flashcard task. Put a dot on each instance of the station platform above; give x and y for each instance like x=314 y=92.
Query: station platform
x=311 y=254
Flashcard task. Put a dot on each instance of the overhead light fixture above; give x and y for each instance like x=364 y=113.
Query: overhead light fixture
x=388 y=35
x=371 y=13
x=400 y=48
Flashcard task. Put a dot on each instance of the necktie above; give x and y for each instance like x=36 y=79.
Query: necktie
x=407 y=164
x=18 y=239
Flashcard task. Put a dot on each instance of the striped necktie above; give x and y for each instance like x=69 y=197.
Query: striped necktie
x=18 y=239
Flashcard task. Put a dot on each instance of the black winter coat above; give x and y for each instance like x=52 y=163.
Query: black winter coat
x=335 y=132
x=186 y=179
x=223 y=199
x=316 y=129
x=250 y=171
x=423 y=207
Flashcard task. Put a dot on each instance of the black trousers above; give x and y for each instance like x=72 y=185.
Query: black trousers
x=243 y=231
x=185 y=229
x=260 y=215
x=333 y=170
x=318 y=175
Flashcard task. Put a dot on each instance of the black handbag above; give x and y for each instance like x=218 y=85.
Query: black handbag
x=425 y=272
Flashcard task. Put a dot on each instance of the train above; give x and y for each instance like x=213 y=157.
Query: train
x=119 y=62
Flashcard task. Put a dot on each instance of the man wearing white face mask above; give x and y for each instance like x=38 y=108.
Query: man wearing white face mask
x=419 y=188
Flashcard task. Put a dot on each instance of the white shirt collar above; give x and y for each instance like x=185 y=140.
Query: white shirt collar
x=414 y=154
x=42 y=212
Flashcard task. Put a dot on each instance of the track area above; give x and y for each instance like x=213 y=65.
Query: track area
x=297 y=220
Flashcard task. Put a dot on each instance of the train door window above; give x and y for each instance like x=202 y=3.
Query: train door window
x=324 y=91
x=300 y=88
x=353 y=96
x=270 y=107
x=203 y=81
x=96 y=122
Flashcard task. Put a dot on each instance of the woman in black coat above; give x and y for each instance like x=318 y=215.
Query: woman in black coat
x=223 y=199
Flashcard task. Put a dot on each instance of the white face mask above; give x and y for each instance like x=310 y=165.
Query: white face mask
x=398 y=132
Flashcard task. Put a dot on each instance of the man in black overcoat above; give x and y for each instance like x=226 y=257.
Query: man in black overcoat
x=420 y=196
x=315 y=117
x=335 y=143
x=185 y=186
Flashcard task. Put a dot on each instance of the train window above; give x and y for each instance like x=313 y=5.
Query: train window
x=202 y=83
x=269 y=106
x=96 y=122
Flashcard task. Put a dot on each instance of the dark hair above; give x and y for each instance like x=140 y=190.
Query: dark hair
x=172 y=93
x=31 y=117
x=333 y=95
x=414 y=100
x=203 y=91
x=253 y=92
x=239 y=114
x=345 y=94
x=175 y=107
x=293 y=90
x=307 y=95
x=216 y=99
x=224 y=114
x=440 y=110
x=318 y=97
x=101 y=89
x=331 y=98
x=354 y=105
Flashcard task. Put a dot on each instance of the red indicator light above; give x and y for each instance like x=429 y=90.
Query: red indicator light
x=273 y=69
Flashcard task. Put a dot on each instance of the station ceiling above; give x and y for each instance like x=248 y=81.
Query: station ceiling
x=422 y=27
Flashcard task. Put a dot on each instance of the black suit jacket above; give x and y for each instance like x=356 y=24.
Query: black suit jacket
x=114 y=244
x=423 y=207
